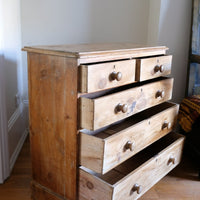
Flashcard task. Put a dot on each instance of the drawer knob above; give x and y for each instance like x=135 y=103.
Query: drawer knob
x=116 y=76
x=129 y=145
x=160 y=93
x=137 y=188
x=158 y=68
x=167 y=125
x=171 y=160
x=122 y=108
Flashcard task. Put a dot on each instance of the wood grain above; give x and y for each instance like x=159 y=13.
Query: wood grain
x=88 y=53
x=53 y=122
x=97 y=77
x=40 y=193
x=146 y=67
x=146 y=174
x=99 y=112
x=105 y=150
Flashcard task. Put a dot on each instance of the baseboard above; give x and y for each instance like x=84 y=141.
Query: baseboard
x=18 y=149
x=17 y=132
x=15 y=116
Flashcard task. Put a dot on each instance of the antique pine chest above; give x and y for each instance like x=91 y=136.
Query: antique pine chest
x=100 y=121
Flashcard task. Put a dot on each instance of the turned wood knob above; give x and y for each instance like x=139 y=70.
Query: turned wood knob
x=171 y=160
x=158 y=68
x=160 y=93
x=116 y=76
x=122 y=108
x=137 y=188
x=167 y=125
x=129 y=145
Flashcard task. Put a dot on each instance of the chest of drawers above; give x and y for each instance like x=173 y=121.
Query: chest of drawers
x=100 y=121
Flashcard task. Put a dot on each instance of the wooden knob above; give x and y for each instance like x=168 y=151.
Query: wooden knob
x=160 y=93
x=137 y=188
x=171 y=160
x=162 y=68
x=159 y=68
x=129 y=145
x=122 y=108
x=167 y=125
x=116 y=76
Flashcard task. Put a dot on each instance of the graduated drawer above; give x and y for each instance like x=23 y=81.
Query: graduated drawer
x=95 y=77
x=148 y=68
x=103 y=150
x=134 y=177
x=101 y=111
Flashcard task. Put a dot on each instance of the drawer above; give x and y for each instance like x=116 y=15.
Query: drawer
x=102 y=111
x=95 y=77
x=135 y=176
x=148 y=68
x=103 y=150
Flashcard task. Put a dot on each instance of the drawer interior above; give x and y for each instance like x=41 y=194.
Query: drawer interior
x=129 y=166
x=108 y=131
x=110 y=91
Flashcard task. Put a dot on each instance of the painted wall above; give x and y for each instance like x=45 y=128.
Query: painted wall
x=170 y=25
x=174 y=31
x=88 y=21
x=10 y=38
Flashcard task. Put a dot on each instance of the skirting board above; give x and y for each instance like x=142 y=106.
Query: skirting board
x=17 y=131
x=18 y=149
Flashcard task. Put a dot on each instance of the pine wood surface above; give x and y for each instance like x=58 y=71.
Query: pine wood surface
x=145 y=169
x=97 y=77
x=53 y=122
x=137 y=99
x=88 y=53
x=146 y=67
x=180 y=184
x=106 y=149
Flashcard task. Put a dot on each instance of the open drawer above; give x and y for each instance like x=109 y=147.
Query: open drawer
x=100 y=111
x=104 y=149
x=134 y=177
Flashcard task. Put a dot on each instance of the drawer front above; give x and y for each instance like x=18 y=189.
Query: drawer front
x=106 y=75
x=102 y=111
x=125 y=184
x=101 y=154
x=148 y=68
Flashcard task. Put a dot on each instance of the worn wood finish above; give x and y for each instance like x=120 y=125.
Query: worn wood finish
x=97 y=77
x=105 y=150
x=90 y=53
x=40 y=193
x=53 y=122
x=142 y=169
x=99 y=112
x=148 y=68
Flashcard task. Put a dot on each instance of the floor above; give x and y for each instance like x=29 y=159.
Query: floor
x=181 y=184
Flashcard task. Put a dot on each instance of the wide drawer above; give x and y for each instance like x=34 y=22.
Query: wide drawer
x=95 y=77
x=148 y=68
x=105 y=149
x=99 y=112
x=134 y=177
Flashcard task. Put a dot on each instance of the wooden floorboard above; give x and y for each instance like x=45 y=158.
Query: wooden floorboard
x=181 y=184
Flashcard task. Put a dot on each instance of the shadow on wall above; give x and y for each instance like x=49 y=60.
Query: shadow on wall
x=11 y=84
x=174 y=32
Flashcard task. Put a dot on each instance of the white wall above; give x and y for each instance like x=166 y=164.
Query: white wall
x=173 y=30
x=88 y=21
x=10 y=38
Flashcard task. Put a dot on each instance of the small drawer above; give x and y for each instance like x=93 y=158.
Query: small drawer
x=148 y=68
x=102 y=111
x=105 y=149
x=95 y=77
x=137 y=175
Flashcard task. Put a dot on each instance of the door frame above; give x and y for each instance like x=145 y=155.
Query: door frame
x=4 y=150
